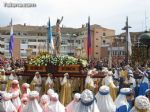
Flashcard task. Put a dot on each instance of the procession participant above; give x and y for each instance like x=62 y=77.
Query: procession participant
x=96 y=80
x=108 y=81
x=147 y=94
x=130 y=99
x=7 y=104
x=55 y=105
x=121 y=101
x=12 y=77
x=144 y=85
x=25 y=89
x=76 y=84
x=141 y=104
x=66 y=90
x=33 y=105
x=50 y=91
x=89 y=82
x=49 y=84
x=14 y=86
x=72 y=105
x=131 y=80
x=3 y=80
x=24 y=101
x=116 y=76
x=57 y=84
x=44 y=101
x=36 y=83
x=104 y=100
x=124 y=72
x=2 y=109
x=15 y=94
x=87 y=102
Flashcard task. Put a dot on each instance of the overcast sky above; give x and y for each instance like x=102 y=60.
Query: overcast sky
x=107 y=13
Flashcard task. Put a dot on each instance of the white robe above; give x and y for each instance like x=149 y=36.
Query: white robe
x=56 y=107
x=105 y=103
x=82 y=108
x=32 y=106
x=71 y=106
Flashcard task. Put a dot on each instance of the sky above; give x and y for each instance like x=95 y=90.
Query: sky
x=107 y=13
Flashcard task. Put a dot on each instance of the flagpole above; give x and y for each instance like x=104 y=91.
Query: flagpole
x=47 y=44
x=127 y=32
x=48 y=36
x=11 y=43
x=89 y=40
x=127 y=57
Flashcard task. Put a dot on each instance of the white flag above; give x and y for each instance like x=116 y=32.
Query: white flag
x=129 y=45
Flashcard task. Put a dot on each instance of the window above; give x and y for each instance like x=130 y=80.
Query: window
x=32 y=46
x=23 y=54
x=96 y=45
x=71 y=41
x=96 y=38
x=2 y=46
x=96 y=52
x=7 y=47
x=104 y=41
x=7 y=54
x=7 y=40
x=24 y=41
x=78 y=41
x=32 y=40
x=63 y=42
x=33 y=53
x=104 y=34
x=41 y=40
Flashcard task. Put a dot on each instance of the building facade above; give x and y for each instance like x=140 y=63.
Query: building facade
x=74 y=41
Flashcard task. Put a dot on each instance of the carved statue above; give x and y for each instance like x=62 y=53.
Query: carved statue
x=58 y=36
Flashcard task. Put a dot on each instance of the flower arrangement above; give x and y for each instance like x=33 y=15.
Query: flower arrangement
x=40 y=60
x=45 y=59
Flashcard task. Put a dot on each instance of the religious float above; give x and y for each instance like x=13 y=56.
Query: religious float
x=57 y=65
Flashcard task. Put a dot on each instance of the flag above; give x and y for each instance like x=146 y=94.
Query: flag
x=129 y=44
x=110 y=58
x=11 y=41
x=50 y=37
x=89 y=49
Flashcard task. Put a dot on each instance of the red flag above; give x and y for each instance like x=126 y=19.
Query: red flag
x=89 y=48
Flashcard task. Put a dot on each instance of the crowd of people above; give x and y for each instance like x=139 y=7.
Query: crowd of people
x=123 y=89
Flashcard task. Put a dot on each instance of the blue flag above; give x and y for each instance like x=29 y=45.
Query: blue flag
x=11 y=41
x=50 y=37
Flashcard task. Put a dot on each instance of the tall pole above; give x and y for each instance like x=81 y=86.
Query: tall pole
x=127 y=54
x=126 y=46
x=47 y=42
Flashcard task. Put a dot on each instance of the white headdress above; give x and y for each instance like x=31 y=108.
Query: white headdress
x=87 y=102
x=104 y=100
x=50 y=92
x=142 y=102
x=33 y=105
x=55 y=105
x=121 y=99
x=77 y=95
